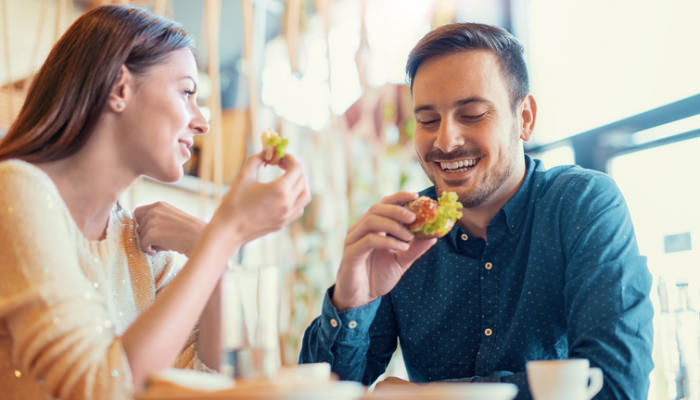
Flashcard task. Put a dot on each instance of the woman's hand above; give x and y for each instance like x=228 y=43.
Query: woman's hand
x=162 y=226
x=252 y=209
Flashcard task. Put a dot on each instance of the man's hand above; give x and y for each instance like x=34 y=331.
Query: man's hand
x=392 y=381
x=378 y=250
x=162 y=226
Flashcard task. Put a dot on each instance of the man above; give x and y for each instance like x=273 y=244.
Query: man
x=543 y=263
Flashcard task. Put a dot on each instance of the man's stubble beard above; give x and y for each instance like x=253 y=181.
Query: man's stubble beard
x=490 y=182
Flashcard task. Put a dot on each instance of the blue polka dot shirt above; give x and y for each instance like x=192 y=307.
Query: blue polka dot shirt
x=560 y=276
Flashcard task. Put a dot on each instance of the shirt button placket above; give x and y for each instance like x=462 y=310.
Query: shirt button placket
x=489 y=311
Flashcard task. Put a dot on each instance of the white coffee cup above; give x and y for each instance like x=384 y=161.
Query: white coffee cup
x=571 y=379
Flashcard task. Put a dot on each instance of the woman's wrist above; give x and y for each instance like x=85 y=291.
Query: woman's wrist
x=226 y=233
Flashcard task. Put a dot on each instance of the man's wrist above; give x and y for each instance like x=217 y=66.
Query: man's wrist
x=343 y=305
x=348 y=325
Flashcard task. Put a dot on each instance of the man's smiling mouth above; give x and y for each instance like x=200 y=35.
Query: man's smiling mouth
x=458 y=165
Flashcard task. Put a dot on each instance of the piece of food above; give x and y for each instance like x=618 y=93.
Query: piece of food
x=434 y=218
x=274 y=147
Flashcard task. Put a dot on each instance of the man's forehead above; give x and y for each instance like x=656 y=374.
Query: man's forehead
x=457 y=76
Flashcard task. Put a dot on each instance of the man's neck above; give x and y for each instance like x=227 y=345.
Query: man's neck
x=476 y=220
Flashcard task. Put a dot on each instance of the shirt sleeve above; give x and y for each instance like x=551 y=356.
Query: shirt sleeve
x=57 y=320
x=349 y=340
x=606 y=292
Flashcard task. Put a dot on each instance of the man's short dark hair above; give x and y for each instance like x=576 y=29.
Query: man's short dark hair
x=454 y=38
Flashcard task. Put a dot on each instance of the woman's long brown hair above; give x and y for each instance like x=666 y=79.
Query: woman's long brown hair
x=73 y=85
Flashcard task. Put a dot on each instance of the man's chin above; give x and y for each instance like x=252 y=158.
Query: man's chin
x=468 y=197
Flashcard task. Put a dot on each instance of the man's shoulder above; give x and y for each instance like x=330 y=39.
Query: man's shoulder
x=429 y=191
x=572 y=181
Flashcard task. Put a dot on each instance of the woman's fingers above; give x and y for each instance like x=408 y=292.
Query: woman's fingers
x=144 y=211
x=250 y=166
x=293 y=171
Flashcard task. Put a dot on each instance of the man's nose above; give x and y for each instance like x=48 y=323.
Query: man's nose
x=449 y=135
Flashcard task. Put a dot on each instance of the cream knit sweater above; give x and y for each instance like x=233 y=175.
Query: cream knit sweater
x=65 y=300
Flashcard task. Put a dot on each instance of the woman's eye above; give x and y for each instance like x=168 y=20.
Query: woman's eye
x=189 y=93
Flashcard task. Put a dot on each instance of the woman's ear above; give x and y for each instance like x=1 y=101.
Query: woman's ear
x=527 y=113
x=121 y=91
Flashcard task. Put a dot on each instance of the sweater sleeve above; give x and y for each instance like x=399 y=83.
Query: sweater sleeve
x=56 y=318
x=166 y=264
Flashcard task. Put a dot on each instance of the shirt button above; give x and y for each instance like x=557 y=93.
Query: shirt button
x=334 y=322
x=465 y=236
x=488 y=266
x=352 y=324
x=488 y=332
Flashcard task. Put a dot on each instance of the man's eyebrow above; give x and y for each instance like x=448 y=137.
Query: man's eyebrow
x=458 y=103
x=473 y=99
x=193 y=81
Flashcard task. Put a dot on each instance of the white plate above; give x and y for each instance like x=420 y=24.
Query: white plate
x=451 y=390
x=297 y=391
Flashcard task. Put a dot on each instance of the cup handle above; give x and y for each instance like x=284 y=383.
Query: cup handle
x=595 y=375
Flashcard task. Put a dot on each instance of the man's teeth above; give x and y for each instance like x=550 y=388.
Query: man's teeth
x=447 y=165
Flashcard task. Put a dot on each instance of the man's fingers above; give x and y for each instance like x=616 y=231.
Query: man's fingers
x=418 y=248
x=374 y=241
x=380 y=225
x=399 y=198
x=397 y=214
x=393 y=211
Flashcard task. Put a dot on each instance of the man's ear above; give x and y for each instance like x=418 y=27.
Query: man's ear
x=527 y=113
x=121 y=91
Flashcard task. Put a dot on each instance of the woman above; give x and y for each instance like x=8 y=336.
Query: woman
x=79 y=315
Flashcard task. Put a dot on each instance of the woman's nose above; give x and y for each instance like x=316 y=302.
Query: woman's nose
x=199 y=123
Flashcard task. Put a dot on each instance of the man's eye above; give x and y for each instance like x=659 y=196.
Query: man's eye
x=472 y=117
x=428 y=122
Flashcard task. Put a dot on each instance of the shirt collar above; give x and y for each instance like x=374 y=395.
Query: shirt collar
x=516 y=207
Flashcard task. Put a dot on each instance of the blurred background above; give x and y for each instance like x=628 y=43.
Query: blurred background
x=617 y=83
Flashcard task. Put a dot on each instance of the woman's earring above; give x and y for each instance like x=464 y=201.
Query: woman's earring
x=120 y=106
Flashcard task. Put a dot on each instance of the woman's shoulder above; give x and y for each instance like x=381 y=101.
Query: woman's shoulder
x=18 y=172
x=28 y=194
